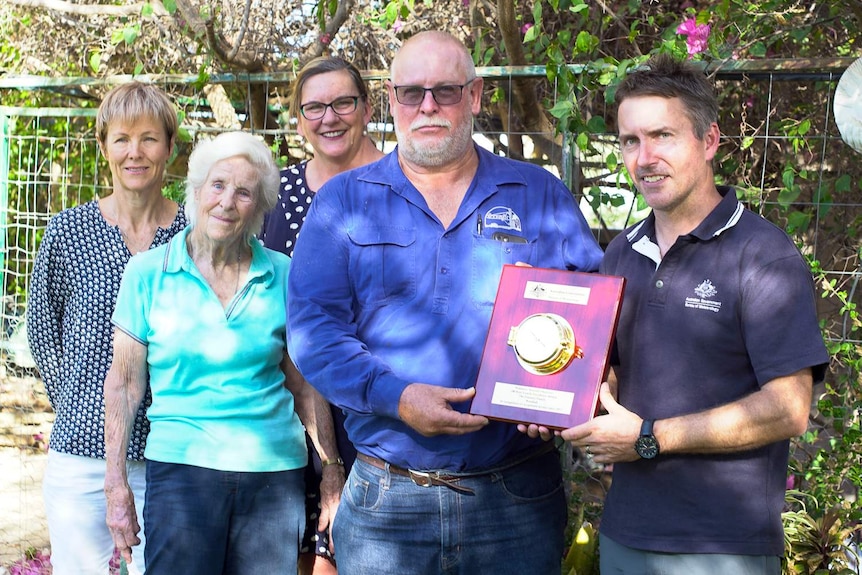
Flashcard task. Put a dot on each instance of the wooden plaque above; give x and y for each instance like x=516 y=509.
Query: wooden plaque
x=548 y=345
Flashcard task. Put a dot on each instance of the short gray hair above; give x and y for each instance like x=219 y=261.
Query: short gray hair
x=208 y=153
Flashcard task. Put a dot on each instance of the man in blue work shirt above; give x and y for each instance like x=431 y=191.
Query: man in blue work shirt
x=391 y=289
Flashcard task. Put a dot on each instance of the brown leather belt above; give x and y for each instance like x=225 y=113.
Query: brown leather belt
x=420 y=478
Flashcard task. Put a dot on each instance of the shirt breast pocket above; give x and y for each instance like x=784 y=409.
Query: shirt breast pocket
x=384 y=269
x=489 y=257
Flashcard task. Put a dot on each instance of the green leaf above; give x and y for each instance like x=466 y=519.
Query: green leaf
x=116 y=37
x=586 y=42
x=532 y=34
x=95 y=61
x=788 y=177
x=583 y=140
x=138 y=68
x=147 y=10
x=537 y=13
x=788 y=195
x=579 y=7
x=170 y=6
x=130 y=34
x=746 y=143
x=596 y=125
x=561 y=109
x=798 y=221
x=842 y=184
x=758 y=50
x=611 y=162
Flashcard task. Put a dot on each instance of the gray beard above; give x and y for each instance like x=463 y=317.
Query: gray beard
x=436 y=154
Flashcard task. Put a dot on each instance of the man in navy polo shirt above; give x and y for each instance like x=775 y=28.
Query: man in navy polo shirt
x=717 y=350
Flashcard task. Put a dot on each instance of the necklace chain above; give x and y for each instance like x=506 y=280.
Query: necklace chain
x=133 y=248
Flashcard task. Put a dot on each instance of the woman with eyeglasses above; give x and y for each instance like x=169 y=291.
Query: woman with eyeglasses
x=330 y=102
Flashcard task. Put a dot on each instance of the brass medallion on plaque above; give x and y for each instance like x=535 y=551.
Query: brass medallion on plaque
x=547 y=348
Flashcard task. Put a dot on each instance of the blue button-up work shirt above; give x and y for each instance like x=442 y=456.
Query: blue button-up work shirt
x=382 y=295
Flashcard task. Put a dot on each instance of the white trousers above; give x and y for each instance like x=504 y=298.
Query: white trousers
x=74 y=491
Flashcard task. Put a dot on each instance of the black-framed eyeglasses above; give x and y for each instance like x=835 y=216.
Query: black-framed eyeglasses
x=447 y=95
x=341 y=106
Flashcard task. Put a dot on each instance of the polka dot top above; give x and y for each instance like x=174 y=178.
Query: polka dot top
x=281 y=225
x=72 y=294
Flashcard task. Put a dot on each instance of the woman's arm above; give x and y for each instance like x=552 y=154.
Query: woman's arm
x=316 y=415
x=125 y=388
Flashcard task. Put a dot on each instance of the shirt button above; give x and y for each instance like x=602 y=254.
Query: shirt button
x=659 y=284
x=444 y=271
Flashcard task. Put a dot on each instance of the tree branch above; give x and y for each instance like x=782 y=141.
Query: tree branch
x=342 y=12
x=242 y=30
x=529 y=109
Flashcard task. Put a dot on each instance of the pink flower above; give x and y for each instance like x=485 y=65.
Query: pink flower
x=398 y=25
x=791 y=482
x=325 y=39
x=33 y=563
x=696 y=35
x=526 y=27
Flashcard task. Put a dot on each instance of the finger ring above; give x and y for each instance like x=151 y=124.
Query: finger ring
x=588 y=450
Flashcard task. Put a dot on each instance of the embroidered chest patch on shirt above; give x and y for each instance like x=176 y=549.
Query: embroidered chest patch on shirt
x=502 y=217
x=705 y=292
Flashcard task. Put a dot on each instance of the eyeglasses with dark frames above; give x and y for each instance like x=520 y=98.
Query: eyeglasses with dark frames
x=447 y=95
x=341 y=106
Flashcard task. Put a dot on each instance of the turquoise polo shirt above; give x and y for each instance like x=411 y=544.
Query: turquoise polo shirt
x=218 y=396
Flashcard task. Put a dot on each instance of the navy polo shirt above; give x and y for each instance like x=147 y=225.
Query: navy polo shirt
x=730 y=307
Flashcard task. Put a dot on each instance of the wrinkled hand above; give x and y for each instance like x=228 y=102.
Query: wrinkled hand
x=122 y=520
x=428 y=409
x=331 y=485
x=608 y=438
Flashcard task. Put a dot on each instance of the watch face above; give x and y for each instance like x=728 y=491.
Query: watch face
x=544 y=343
x=646 y=446
x=539 y=339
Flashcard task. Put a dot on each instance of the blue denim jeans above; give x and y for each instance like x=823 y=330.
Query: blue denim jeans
x=208 y=522
x=513 y=524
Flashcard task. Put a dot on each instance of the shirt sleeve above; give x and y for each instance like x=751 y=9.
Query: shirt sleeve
x=322 y=335
x=581 y=251
x=46 y=302
x=133 y=300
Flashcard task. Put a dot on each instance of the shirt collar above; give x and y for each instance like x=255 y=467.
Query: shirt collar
x=723 y=217
x=177 y=259
x=388 y=171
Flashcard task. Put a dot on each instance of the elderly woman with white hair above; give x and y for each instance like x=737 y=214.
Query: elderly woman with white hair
x=202 y=319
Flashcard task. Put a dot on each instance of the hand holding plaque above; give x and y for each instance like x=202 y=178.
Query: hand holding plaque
x=547 y=348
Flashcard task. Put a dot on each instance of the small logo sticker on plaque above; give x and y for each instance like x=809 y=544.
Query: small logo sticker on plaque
x=558 y=293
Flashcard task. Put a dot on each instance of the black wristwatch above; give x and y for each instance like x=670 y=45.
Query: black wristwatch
x=646 y=444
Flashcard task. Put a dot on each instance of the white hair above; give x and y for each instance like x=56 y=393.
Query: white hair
x=208 y=153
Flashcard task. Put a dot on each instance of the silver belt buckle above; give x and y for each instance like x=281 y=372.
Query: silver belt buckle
x=420 y=478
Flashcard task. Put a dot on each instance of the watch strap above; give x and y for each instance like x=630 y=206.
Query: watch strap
x=646 y=427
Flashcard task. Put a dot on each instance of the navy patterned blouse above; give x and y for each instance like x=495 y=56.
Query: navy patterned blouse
x=72 y=293
x=281 y=225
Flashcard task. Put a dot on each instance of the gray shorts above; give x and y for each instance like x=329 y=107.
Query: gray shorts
x=616 y=559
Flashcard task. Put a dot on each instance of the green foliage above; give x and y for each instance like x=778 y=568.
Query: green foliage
x=817 y=538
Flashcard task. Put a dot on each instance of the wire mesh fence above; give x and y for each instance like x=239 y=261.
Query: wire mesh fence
x=49 y=161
